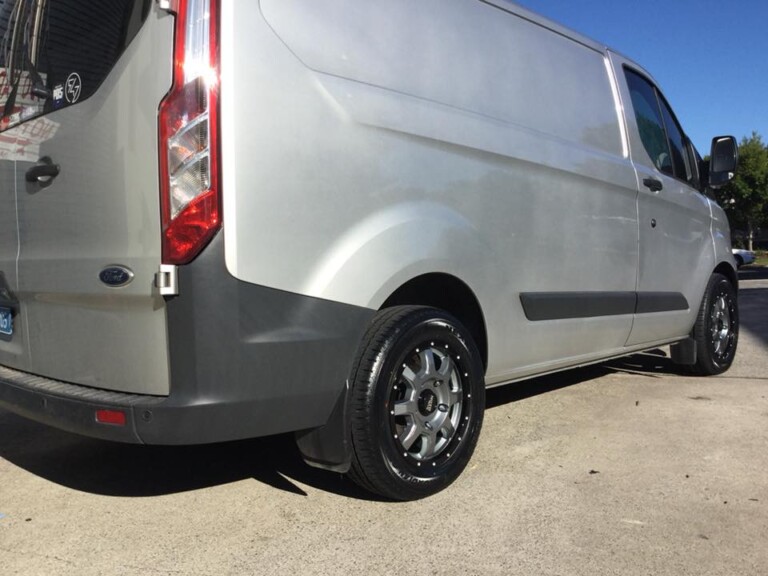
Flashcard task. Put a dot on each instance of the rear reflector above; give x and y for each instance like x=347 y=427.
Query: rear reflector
x=114 y=417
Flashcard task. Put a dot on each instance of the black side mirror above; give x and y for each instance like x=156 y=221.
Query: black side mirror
x=723 y=161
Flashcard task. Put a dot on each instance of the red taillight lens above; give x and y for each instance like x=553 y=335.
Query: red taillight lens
x=189 y=149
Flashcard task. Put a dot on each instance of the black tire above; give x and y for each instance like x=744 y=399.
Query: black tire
x=739 y=261
x=423 y=364
x=717 y=328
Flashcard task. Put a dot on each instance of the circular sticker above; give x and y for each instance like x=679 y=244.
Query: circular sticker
x=73 y=88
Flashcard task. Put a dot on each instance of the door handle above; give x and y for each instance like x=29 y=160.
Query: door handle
x=43 y=172
x=653 y=184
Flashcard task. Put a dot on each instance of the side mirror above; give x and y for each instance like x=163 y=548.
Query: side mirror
x=723 y=161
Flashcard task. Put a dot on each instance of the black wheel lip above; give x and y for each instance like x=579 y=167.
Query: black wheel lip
x=443 y=459
x=726 y=291
x=376 y=465
x=392 y=451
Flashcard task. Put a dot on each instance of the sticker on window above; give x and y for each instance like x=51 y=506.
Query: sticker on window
x=74 y=87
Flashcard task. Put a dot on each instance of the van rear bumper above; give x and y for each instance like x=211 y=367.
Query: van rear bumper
x=245 y=361
x=148 y=419
x=69 y=406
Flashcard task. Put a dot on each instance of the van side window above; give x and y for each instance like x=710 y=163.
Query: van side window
x=676 y=143
x=649 y=122
x=660 y=132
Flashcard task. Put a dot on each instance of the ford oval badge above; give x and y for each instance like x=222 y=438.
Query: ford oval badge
x=115 y=276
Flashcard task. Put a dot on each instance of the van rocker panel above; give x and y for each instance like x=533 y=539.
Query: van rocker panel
x=246 y=361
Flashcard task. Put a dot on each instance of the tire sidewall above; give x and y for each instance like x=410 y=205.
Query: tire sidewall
x=710 y=364
x=419 y=330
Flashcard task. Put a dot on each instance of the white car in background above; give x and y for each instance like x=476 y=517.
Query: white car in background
x=743 y=257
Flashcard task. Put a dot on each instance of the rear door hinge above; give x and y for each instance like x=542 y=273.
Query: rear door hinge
x=166 y=5
x=167 y=280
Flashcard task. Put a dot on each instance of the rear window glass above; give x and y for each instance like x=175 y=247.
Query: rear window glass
x=55 y=53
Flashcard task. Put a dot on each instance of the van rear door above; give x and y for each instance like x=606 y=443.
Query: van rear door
x=81 y=87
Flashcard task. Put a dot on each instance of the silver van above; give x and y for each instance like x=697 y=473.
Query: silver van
x=343 y=219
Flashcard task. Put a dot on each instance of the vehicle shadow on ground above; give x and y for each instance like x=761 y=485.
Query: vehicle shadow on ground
x=655 y=363
x=124 y=470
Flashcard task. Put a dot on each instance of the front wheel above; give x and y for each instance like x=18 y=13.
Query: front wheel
x=417 y=403
x=717 y=328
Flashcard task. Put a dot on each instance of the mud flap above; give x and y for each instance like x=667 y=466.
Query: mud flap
x=684 y=352
x=328 y=447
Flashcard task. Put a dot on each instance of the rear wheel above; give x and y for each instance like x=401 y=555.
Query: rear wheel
x=418 y=397
x=717 y=328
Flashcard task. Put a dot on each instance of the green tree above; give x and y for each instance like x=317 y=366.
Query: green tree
x=745 y=198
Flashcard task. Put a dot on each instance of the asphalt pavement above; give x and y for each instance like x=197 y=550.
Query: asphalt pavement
x=627 y=468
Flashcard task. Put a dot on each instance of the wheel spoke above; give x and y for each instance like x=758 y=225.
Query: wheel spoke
x=428 y=443
x=410 y=436
x=447 y=429
x=446 y=367
x=427 y=363
x=406 y=408
x=409 y=375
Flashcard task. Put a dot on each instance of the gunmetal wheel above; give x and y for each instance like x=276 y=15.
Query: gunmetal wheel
x=418 y=397
x=717 y=328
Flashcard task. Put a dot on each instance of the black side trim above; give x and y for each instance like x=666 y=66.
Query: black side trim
x=567 y=305
x=648 y=302
x=562 y=305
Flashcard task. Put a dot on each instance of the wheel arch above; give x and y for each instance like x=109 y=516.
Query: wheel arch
x=448 y=293
x=728 y=271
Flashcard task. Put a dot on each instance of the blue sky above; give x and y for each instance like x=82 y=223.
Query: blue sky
x=710 y=57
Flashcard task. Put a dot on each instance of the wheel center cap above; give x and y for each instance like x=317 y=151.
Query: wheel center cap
x=427 y=403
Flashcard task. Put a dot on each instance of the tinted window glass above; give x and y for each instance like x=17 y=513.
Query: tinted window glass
x=55 y=53
x=650 y=122
x=676 y=144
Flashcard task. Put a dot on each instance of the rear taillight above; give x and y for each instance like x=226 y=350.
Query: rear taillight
x=189 y=153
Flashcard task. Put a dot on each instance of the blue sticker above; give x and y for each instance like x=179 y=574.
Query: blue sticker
x=58 y=95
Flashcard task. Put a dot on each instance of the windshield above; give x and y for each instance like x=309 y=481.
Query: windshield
x=55 y=53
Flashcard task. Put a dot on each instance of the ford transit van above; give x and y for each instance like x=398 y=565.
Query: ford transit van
x=340 y=219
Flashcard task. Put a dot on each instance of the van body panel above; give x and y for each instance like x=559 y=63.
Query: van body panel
x=421 y=50
x=100 y=211
x=433 y=180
